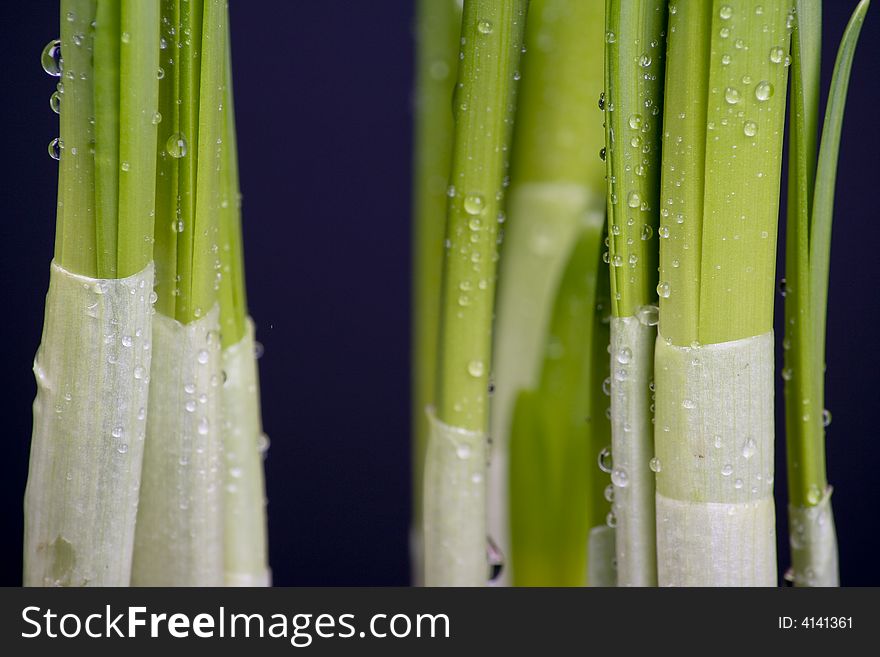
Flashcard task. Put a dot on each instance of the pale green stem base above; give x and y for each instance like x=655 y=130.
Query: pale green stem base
x=244 y=503
x=179 y=537
x=455 y=507
x=714 y=441
x=92 y=370
x=632 y=448
x=601 y=569
x=813 y=544
x=545 y=220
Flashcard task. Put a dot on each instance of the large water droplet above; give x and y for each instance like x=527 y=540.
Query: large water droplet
x=777 y=54
x=725 y=12
x=727 y=470
x=55 y=102
x=475 y=368
x=663 y=289
x=750 y=128
x=655 y=465
x=633 y=200
x=605 y=460
x=51 y=58
x=619 y=478
x=731 y=95
x=55 y=149
x=648 y=315
x=763 y=90
x=474 y=204
x=826 y=417
x=484 y=26
x=176 y=145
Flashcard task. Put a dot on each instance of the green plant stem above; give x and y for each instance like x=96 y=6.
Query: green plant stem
x=484 y=102
x=438 y=26
x=723 y=123
x=635 y=49
x=811 y=192
x=138 y=96
x=107 y=110
x=75 y=235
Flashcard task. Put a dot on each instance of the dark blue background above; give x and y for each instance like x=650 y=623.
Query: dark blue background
x=323 y=102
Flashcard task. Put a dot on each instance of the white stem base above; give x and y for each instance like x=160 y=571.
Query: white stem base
x=244 y=504
x=632 y=448
x=714 y=441
x=179 y=537
x=92 y=370
x=813 y=542
x=455 y=507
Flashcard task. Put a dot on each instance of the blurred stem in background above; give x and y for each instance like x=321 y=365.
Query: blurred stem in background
x=543 y=419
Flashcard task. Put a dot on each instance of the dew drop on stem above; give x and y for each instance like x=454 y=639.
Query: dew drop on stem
x=51 y=58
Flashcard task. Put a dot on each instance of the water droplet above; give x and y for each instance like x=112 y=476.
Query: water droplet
x=763 y=90
x=55 y=149
x=688 y=404
x=750 y=128
x=474 y=204
x=122 y=448
x=475 y=368
x=126 y=37
x=647 y=232
x=610 y=37
x=645 y=60
x=602 y=152
x=450 y=191
x=724 y=32
x=749 y=448
x=117 y=432
x=125 y=166
x=262 y=443
x=176 y=145
x=189 y=388
x=605 y=460
x=635 y=121
x=617 y=261
x=153 y=297
x=731 y=95
x=655 y=464
x=725 y=12
x=717 y=442
x=619 y=478
x=648 y=315
x=55 y=102
x=463 y=451
x=611 y=519
x=663 y=289
x=602 y=100
x=633 y=200
x=826 y=417
x=725 y=60
x=142 y=413
x=663 y=231
x=786 y=373
x=157 y=118
x=190 y=406
x=777 y=54
x=624 y=355
x=259 y=350
x=484 y=26
x=126 y=341
x=203 y=356
x=738 y=484
x=814 y=496
x=727 y=470
x=160 y=73
x=51 y=58
x=783 y=287
x=606 y=386
x=203 y=427
x=609 y=493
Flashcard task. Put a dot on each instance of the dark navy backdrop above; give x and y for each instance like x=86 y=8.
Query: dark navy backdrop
x=323 y=93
